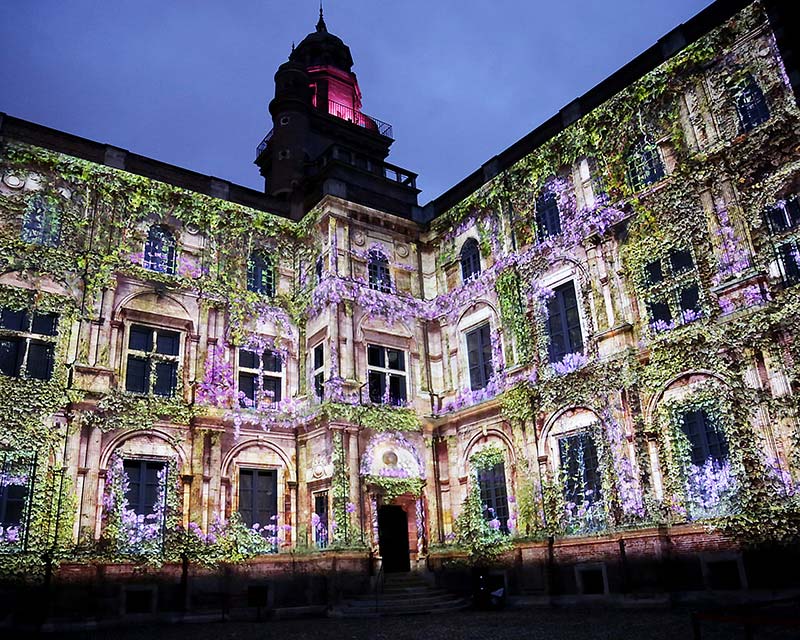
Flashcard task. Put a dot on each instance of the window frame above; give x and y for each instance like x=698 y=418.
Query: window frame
x=261 y=275
x=321 y=534
x=752 y=108
x=783 y=224
x=42 y=227
x=577 y=346
x=711 y=442
x=470 y=260
x=494 y=494
x=483 y=367
x=154 y=357
x=318 y=370
x=644 y=155
x=669 y=292
x=256 y=472
x=547 y=214
x=388 y=373
x=154 y=257
x=26 y=338
x=259 y=374
x=141 y=499
x=379 y=276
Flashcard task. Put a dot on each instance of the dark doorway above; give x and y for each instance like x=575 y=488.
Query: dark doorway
x=393 y=538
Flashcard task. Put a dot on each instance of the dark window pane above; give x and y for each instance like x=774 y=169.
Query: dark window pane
x=166 y=378
x=563 y=323
x=248 y=359
x=319 y=357
x=159 y=250
x=776 y=216
x=470 y=260
x=143 y=485
x=376 y=356
x=479 y=357
x=690 y=298
x=10 y=356
x=397 y=389
x=42 y=222
x=258 y=496
x=45 y=324
x=168 y=343
x=319 y=385
x=680 y=261
x=494 y=496
x=377 y=384
x=378 y=271
x=40 y=360
x=751 y=105
x=140 y=339
x=397 y=360
x=12 y=503
x=644 y=164
x=706 y=440
x=260 y=274
x=13 y=320
x=579 y=463
x=137 y=375
x=793 y=211
x=548 y=218
x=247 y=389
x=271 y=387
x=272 y=361
x=790 y=260
x=318 y=269
x=659 y=311
x=654 y=272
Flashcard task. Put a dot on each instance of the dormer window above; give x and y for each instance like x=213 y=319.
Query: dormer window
x=378 y=271
x=260 y=274
x=548 y=217
x=751 y=106
x=159 y=250
x=470 y=260
x=645 y=166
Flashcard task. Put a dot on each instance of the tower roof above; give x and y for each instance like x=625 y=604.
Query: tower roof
x=320 y=48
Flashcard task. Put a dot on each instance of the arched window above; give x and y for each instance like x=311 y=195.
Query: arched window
x=378 y=272
x=42 y=222
x=645 y=166
x=260 y=274
x=548 y=217
x=470 y=260
x=494 y=495
x=159 y=250
x=750 y=104
x=706 y=439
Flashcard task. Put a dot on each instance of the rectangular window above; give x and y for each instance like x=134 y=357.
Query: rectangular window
x=144 y=485
x=706 y=440
x=579 y=465
x=494 y=496
x=27 y=343
x=479 y=356
x=261 y=378
x=320 y=523
x=153 y=359
x=258 y=496
x=386 y=374
x=318 y=371
x=673 y=291
x=563 y=323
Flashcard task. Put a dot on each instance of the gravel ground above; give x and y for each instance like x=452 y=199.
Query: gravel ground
x=530 y=624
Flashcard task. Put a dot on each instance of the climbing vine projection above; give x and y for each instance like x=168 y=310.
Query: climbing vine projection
x=105 y=215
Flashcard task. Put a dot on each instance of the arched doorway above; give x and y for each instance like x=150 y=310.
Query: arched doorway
x=393 y=538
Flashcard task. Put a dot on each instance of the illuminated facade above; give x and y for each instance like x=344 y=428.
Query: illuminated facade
x=597 y=329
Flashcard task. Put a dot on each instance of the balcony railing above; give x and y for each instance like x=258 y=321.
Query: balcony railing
x=361 y=119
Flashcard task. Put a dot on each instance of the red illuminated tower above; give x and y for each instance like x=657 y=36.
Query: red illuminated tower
x=321 y=142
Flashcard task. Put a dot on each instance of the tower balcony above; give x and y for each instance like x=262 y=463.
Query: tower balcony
x=344 y=112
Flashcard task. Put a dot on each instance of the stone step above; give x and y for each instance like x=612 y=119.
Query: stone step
x=369 y=601
x=387 y=609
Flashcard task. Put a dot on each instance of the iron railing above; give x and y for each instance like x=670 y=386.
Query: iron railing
x=345 y=112
x=260 y=148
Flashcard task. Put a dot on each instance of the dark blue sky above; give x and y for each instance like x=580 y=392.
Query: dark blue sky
x=188 y=81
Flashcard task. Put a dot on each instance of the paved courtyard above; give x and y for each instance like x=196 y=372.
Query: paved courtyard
x=530 y=624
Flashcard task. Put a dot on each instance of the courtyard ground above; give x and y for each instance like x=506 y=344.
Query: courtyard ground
x=518 y=624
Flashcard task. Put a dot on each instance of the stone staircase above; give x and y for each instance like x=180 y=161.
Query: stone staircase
x=402 y=594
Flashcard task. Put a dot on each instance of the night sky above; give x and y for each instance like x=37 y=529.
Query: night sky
x=188 y=81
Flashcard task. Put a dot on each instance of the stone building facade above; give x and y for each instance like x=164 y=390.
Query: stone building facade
x=597 y=328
